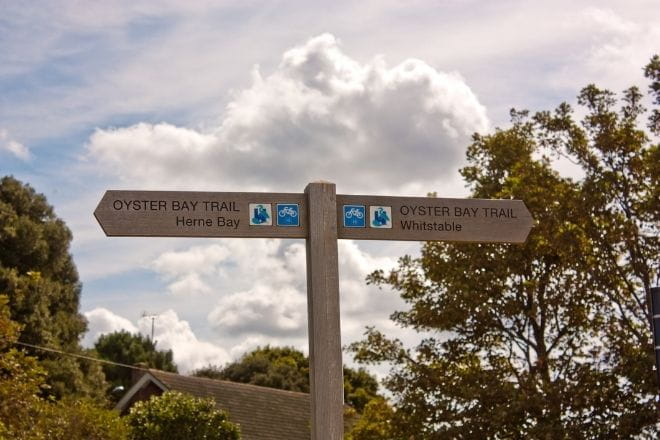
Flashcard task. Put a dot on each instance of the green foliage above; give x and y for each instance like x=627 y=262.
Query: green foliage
x=652 y=72
x=21 y=382
x=210 y=372
x=38 y=275
x=286 y=368
x=75 y=377
x=81 y=420
x=25 y=414
x=131 y=349
x=375 y=423
x=176 y=416
x=360 y=388
x=549 y=339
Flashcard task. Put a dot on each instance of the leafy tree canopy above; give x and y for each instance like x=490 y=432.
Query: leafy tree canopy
x=284 y=368
x=21 y=381
x=80 y=419
x=131 y=349
x=39 y=277
x=176 y=416
x=374 y=423
x=288 y=369
x=26 y=415
x=549 y=339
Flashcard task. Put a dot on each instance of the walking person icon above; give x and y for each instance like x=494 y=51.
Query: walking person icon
x=261 y=214
x=381 y=216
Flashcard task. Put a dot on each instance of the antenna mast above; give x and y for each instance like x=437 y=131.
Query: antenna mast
x=153 y=320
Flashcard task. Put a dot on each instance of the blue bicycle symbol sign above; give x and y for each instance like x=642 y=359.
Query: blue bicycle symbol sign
x=287 y=214
x=354 y=212
x=288 y=210
x=354 y=216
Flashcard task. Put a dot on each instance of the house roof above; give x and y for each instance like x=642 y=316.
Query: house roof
x=262 y=413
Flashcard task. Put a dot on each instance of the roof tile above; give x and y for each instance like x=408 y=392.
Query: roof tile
x=262 y=413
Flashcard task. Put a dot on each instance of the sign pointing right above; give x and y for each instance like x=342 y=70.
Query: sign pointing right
x=432 y=219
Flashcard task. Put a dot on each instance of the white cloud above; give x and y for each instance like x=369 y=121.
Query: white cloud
x=255 y=290
x=260 y=285
x=358 y=300
x=13 y=147
x=173 y=333
x=102 y=321
x=612 y=51
x=169 y=59
x=321 y=114
x=276 y=311
x=230 y=265
x=198 y=258
x=188 y=271
x=170 y=333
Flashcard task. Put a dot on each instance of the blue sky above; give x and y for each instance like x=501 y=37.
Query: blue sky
x=380 y=97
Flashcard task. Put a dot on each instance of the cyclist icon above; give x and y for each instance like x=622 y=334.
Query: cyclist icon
x=354 y=216
x=288 y=214
x=288 y=210
x=354 y=212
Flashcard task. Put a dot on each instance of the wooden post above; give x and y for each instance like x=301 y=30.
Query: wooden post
x=326 y=370
x=655 y=330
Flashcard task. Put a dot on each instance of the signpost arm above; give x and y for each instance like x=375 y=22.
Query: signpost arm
x=326 y=370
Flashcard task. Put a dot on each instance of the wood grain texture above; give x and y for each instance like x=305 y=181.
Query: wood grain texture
x=440 y=219
x=201 y=214
x=325 y=357
x=654 y=305
x=155 y=214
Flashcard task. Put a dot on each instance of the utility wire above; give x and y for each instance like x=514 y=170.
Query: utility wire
x=80 y=356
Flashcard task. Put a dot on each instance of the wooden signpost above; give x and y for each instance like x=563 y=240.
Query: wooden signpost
x=201 y=214
x=321 y=217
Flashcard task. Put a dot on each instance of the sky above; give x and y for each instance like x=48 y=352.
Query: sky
x=379 y=97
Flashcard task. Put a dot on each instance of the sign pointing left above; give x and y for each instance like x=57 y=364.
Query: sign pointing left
x=202 y=214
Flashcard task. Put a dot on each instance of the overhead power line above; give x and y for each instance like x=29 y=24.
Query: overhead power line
x=79 y=356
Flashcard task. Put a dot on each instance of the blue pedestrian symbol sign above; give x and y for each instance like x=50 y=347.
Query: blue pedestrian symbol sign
x=288 y=214
x=354 y=216
x=260 y=214
x=380 y=216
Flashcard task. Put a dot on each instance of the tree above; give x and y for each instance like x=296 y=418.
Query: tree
x=131 y=349
x=276 y=367
x=548 y=339
x=21 y=382
x=80 y=419
x=375 y=423
x=176 y=416
x=38 y=275
x=25 y=414
x=286 y=368
x=360 y=388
